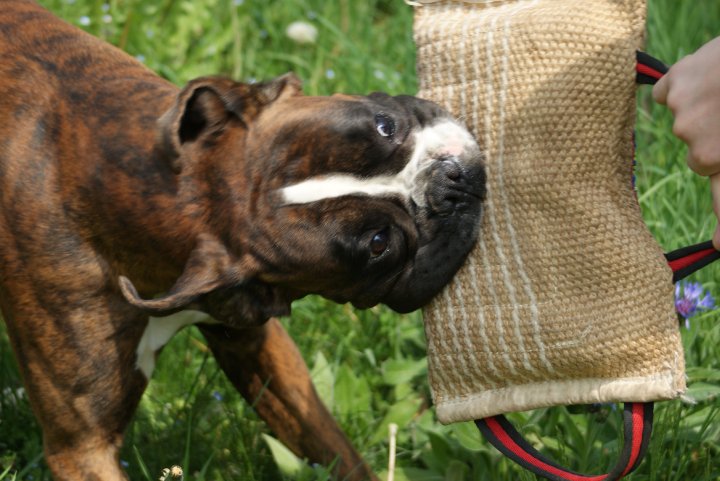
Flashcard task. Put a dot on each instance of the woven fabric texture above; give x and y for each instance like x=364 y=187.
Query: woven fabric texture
x=566 y=298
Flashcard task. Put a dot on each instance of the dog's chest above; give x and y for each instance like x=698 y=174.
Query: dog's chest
x=158 y=332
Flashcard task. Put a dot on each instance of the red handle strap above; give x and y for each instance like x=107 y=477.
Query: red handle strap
x=637 y=416
x=649 y=69
x=637 y=426
x=687 y=260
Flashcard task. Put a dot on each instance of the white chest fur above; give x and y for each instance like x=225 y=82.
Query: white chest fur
x=159 y=331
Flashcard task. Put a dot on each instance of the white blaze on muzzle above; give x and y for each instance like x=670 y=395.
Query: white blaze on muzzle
x=445 y=140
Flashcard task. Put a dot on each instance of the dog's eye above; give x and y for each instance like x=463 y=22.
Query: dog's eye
x=384 y=125
x=379 y=243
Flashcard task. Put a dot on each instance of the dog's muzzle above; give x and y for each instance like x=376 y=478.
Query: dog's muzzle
x=454 y=186
x=448 y=224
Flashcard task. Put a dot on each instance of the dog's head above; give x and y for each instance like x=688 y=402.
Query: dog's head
x=363 y=199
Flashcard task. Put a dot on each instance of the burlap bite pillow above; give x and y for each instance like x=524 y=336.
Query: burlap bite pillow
x=566 y=299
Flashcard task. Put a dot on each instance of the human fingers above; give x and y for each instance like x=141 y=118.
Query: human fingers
x=660 y=90
x=703 y=158
x=699 y=127
x=715 y=189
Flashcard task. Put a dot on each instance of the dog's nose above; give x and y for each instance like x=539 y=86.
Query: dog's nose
x=452 y=185
x=452 y=169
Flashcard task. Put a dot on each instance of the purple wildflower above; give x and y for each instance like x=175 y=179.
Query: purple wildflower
x=690 y=299
x=217 y=396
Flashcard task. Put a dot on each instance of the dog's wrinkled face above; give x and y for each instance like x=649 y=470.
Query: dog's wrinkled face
x=366 y=200
x=377 y=199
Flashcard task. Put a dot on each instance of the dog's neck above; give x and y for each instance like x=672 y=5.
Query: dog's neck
x=137 y=191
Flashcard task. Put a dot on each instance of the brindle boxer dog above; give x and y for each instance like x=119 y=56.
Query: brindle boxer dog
x=124 y=197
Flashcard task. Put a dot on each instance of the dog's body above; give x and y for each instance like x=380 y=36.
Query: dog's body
x=229 y=198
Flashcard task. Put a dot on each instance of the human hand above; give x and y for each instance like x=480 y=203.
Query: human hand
x=691 y=89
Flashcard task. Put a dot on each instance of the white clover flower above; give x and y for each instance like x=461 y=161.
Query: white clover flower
x=173 y=472
x=302 y=32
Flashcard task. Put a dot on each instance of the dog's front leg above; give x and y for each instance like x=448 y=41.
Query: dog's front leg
x=78 y=363
x=265 y=366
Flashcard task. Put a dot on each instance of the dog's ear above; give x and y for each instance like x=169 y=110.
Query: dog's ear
x=279 y=88
x=209 y=267
x=206 y=105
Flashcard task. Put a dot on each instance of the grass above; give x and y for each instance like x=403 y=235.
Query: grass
x=369 y=366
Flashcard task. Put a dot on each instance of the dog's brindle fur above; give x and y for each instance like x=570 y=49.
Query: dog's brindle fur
x=90 y=192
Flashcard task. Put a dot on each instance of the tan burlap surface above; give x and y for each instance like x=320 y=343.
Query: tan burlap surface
x=566 y=298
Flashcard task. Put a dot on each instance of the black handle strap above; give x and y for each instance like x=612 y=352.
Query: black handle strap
x=687 y=260
x=637 y=416
x=637 y=429
x=649 y=69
